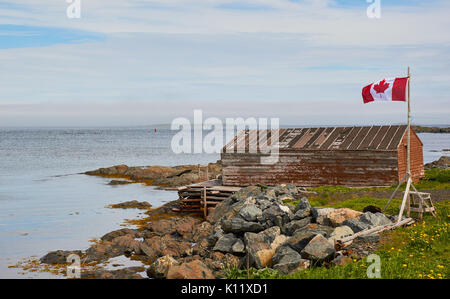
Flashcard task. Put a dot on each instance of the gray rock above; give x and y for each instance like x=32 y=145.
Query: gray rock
x=277 y=214
x=263 y=203
x=213 y=238
x=374 y=219
x=237 y=225
x=318 y=249
x=238 y=247
x=267 y=236
x=286 y=260
x=320 y=215
x=300 y=239
x=225 y=243
x=250 y=212
x=303 y=204
x=284 y=252
x=355 y=224
x=302 y=213
x=262 y=246
x=323 y=230
x=222 y=209
x=57 y=257
x=229 y=243
x=250 y=191
x=291 y=227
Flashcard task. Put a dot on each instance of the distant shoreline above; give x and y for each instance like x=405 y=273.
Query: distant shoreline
x=421 y=129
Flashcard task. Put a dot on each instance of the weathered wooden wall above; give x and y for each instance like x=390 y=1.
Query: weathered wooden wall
x=313 y=168
x=351 y=156
x=417 y=168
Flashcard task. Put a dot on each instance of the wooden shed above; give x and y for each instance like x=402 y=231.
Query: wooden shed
x=348 y=156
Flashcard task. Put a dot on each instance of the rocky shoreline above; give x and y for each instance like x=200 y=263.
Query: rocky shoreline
x=421 y=129
x=255 y=227
x=160 y=176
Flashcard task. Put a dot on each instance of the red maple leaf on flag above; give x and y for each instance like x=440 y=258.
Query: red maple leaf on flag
x=381 y=87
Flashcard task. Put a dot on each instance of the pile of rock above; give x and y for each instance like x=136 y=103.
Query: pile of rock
x=255 y=227
x=257 y=224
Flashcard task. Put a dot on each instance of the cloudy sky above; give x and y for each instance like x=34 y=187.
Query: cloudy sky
x=143 y=62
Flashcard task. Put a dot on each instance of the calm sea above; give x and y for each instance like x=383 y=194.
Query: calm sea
x=46 y=205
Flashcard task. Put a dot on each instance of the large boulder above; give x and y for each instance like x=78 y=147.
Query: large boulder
x=238 y=225
x=318 y=249
x=320 y=215
x=300 y=239
x=160 y=267
x=166 y=245
x=202 y=231
x=286 y=260
x=195 y=269
x=303 y=209
x=302 y=213
x=355 y=224
x=375 y=219
x=291 y=227
x=277 y=215
x=57 y=257
x=333 y=217
x=244 y=193
x=229 y=243
x=261 y=247
x=121 y=232
x=250 y=212
x=338 y=216
x=182 y=226
x=303 y=204
x=284 y=251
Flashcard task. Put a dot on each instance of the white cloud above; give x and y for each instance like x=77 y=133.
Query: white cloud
x=305 y=62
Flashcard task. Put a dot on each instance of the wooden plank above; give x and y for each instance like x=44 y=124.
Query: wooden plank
x=359 y=138
x=388 y=138
x=376 y=140
x=350 y=137
x=331 y=139
x=314 y=137
x=369 y=138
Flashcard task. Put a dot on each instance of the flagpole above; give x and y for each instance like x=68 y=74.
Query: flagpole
x=408 y=153
x=408 y=167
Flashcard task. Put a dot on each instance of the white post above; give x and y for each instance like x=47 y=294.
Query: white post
x=408 y=165
x=408 y=153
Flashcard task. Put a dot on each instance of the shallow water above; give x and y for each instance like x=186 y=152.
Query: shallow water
x=45 y=205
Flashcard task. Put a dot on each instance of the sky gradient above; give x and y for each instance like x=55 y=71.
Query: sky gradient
x=138 y=62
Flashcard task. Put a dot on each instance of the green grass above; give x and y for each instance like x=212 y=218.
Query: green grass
x=415 y=252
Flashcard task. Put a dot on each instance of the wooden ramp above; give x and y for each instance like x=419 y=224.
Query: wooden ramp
x=203 y=197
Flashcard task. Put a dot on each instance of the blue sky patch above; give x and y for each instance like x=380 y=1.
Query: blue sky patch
x=19 y=36
x=244 y=6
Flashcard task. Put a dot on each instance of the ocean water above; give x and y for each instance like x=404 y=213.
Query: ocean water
x=45 y=204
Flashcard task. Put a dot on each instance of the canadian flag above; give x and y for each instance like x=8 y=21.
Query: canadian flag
x=386 y=90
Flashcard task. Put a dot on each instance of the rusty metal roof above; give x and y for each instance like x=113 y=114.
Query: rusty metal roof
x=330 y=138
